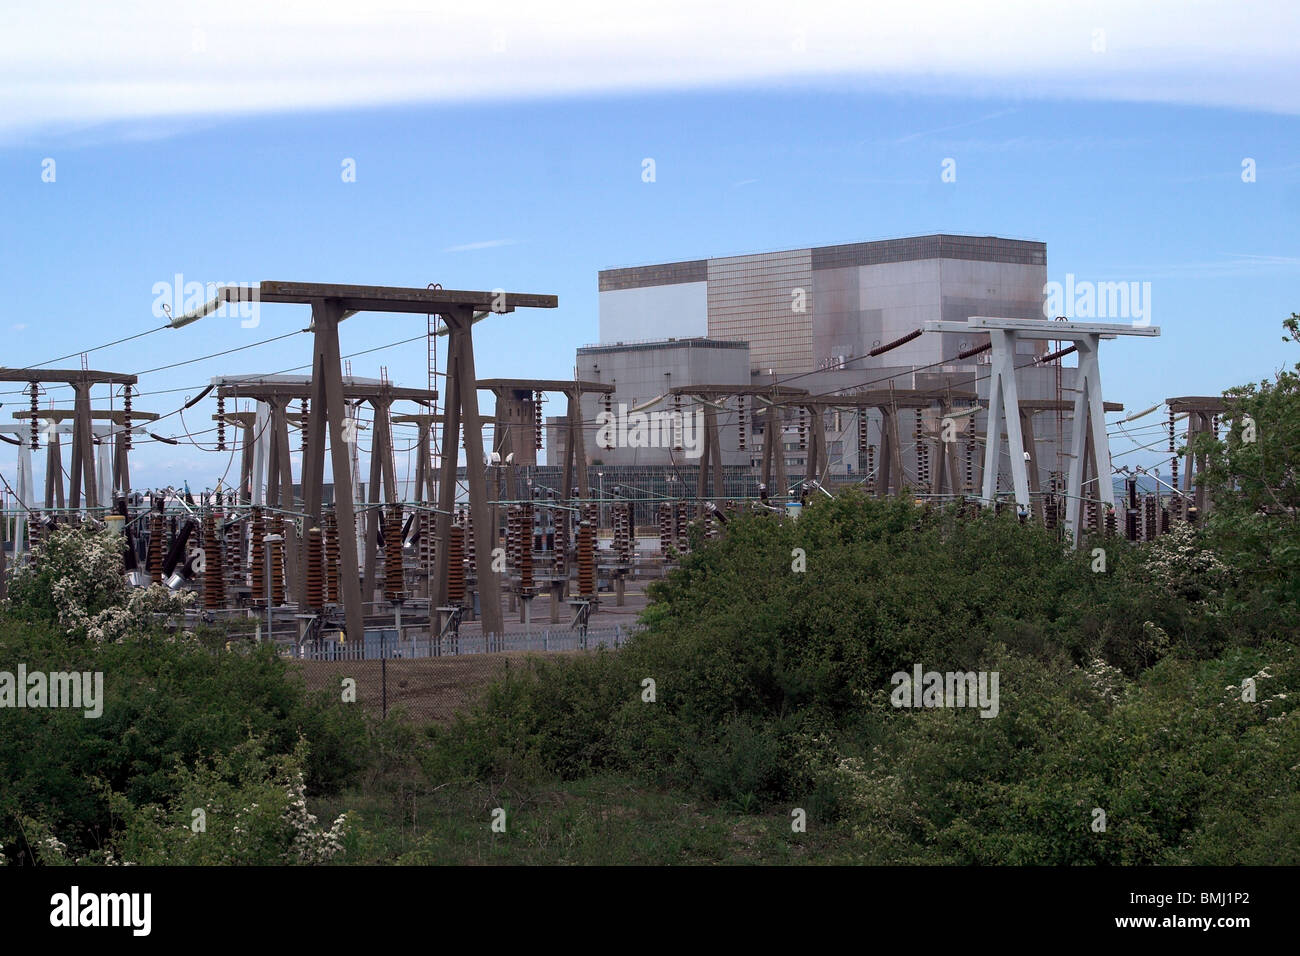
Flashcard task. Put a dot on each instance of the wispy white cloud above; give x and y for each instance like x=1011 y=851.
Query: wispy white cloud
x=485 y=244
x=70 y=62
x=946 y=129
x=1025 y=144
x=1231 y=265
x=743 y=182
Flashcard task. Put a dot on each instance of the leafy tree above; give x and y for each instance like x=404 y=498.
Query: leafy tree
x=1253 y=476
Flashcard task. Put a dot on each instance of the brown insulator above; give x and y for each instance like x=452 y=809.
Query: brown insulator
x=257 y=535
x=126 y=417
x=214 y=579
x=276 y=526
x=537 y=420
x=221 y=423
x=156 y=547
x=587 y=560
x=425 y=522
x=622 y=523
x=561 y=544
x=1173 y=461
x=456 y=566
x=394 y=578
x=740 y=420
x=35 y=531
x=524 y=538
x=36 y=407
x=683 y=537
x=232 y=553
x=331 y=557
x=315 y=569
x=302 y=425
x=862 y=430
x=803 y=428
x=512 y=535
x=665 y=528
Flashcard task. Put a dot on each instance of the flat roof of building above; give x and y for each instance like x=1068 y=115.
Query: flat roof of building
x=693 y=342
x=938 y=246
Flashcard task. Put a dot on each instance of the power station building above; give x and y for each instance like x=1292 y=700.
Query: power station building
x=809 y=318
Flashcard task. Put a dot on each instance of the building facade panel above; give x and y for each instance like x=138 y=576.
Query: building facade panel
x=763 y=300
x=654 y=312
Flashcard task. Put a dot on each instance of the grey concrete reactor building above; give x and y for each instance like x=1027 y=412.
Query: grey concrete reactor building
x=806 y=309
x=810 y=317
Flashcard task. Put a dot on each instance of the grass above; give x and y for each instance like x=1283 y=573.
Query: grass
x=605 y=820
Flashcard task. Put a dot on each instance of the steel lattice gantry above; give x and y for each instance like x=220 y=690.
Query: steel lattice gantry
x=332 y=304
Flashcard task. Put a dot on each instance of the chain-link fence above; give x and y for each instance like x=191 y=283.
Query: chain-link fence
x=424 y=678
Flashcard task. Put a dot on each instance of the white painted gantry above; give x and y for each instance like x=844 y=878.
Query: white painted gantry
x=1004 y=404
x=25 y=492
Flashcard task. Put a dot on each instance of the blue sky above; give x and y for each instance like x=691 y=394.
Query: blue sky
x=537 y=193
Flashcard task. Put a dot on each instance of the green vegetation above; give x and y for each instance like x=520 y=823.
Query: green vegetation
x=1154 y=695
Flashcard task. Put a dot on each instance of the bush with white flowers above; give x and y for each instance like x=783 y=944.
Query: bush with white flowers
x=74 y=579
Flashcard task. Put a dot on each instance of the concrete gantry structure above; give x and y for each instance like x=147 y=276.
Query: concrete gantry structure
x=330 y=305
x=1203 y=412
x=112 y=476
x=276 y=392
x=119 y=471
x=517 y=424
x=1031 y=407
x=1004 y=405
x=246 y=422
x=643 y=373
x=713 y=398
x=81 y=380
x=425 y=490
x=888 y=403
